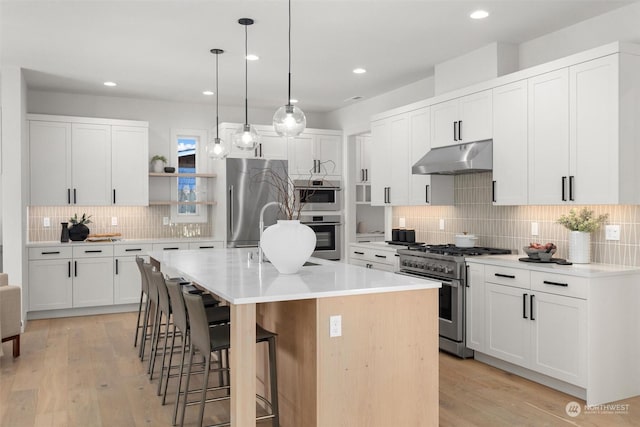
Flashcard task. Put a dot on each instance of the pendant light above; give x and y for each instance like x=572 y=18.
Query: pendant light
x=289 y=120
x=217 y=149
x=246 y=137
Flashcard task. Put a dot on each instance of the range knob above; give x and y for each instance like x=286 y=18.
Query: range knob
x=439 y=267
x=448 y=270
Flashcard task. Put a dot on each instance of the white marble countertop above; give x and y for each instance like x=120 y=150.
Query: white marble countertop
x=229 y=274
x=583 y=270
x=125 y=241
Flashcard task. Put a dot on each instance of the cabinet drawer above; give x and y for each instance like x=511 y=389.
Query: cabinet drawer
x=372 y=264
x=50 y=252
x=507 y=276
x=92 y=251
x=559 y=284
x=367 y=254
x=206 y=245
x=171 y=246
x=131 y=250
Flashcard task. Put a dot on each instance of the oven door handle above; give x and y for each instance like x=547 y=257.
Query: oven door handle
x=321 y=223
x=450 y=283
x=319 y=188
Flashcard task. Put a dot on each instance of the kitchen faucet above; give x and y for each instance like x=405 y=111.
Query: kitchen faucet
x=261 y=225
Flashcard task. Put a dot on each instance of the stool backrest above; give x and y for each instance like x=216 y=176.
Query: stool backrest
x=177 y=303
x=198 y=325
x=163 y=296
x=144 y=283
x=153 y=292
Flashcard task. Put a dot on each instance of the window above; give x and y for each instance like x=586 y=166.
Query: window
x=189 y=157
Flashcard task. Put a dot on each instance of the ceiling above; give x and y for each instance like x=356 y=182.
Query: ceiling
x=160 y=49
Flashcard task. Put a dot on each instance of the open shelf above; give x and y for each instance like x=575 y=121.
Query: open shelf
x=173 y=202
x=188 y=175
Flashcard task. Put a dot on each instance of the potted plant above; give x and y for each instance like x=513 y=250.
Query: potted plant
x=78 y=230
x=158 y=162
x=581 y=224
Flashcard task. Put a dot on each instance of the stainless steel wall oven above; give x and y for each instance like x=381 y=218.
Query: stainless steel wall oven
x=328 y=229
x=319 y=195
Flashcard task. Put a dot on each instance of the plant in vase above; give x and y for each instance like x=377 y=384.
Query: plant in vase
x=158 y=162
x=288 y=243
x=581 y=224
x=78 y=230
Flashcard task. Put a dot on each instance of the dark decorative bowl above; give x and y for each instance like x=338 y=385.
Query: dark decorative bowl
x=169 y=169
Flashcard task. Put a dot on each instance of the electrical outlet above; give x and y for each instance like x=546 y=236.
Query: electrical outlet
x=534 y=228
x=46 y=222
x=441 y=224
x=114 y=220
x=612 y=232
x=402 y=223
x=165 y=220
x=335 y=326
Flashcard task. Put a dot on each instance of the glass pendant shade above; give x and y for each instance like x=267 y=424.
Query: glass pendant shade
x=246 y=137
x=217 y=149
x=289 y=121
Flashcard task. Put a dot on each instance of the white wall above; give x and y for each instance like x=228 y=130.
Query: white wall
x=161 y=115
x=14 y=176
x=621 y=24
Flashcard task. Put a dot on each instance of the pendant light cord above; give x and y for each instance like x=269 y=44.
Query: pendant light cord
x=289 y=83
x=217 y=135
x=246 y=78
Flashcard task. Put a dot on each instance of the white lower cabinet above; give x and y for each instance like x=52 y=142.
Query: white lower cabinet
x=511 y=319
x=126 y=278
x=93 y=282
x=50 y=284
x=374 y=255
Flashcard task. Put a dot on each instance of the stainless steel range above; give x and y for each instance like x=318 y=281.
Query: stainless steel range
x=445 y=263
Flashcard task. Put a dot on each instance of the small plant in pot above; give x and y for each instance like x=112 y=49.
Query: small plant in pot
x=78 y=230
x=158 y=162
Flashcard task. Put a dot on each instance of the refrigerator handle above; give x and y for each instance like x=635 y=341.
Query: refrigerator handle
x=231 y=208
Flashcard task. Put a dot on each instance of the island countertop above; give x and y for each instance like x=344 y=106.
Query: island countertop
x=233 y=276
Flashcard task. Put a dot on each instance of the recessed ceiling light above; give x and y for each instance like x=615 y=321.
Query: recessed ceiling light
x=207 y=92
x=293 y=101
x=110 y=84
x=479 y=14
x=359 y=71
x=252 y=57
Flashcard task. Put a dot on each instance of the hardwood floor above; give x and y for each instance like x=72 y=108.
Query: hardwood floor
x=84 y=371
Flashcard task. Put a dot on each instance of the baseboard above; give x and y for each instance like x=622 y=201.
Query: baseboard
x=553 y=383
x=81 y=311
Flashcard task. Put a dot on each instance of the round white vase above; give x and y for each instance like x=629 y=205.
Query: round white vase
x=158 y=166
x=579 y=247
x=288 y=245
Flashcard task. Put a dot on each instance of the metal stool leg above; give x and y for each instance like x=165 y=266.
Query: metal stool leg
x=135 y=339
x=273 y=379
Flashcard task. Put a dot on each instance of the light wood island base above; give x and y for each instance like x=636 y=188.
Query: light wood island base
x=382 y=371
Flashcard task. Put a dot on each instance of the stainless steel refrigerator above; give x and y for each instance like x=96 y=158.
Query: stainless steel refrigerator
x=247 y=192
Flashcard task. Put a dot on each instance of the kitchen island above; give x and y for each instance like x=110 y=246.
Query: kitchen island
x=382 y=367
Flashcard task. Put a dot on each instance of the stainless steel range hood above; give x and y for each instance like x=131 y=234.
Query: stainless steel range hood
x=456 y=159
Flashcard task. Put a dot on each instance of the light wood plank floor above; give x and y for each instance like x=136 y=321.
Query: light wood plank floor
x=84 y=371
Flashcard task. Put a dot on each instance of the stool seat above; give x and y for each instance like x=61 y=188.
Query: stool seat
x=220 y=336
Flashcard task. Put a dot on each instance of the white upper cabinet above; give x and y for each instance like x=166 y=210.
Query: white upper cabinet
x=316 y=153
x=363 y=159
x=549 y=138
x=510 y=144
x=50 y=163
x=461 y=120
x=381 y=176
x=129 y=150
x=87 y=161
x=583 y=133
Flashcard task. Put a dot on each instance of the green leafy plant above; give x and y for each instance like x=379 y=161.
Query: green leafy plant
x=584 y=220
x=163 y=159
x=74 y=220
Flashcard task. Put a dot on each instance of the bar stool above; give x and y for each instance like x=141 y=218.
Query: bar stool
x=144 y=291
x=215 y=316
x=207 y=340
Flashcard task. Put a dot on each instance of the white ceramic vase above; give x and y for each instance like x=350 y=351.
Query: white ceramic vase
x=288 y=245
x=579 y=247
x=158 y=166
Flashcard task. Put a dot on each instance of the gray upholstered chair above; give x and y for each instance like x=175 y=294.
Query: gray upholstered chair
x=10 y=313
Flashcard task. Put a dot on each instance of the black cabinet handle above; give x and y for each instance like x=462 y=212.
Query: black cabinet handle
x=96 y=251
x=366 y=174
x=524 y=306
x=388 y=194
x=75 y=268
x=571 y=182
x=564 y=184
x=116 y=265
x=531 y=307
x=206 y=247
x=455 y=137
x=75 y=199
x=255 y=152
x=68 y=268
x=358 y=253
x=133 y=250
x=508 y=276
x=362 y=175
x=170 y=249
x=493 y=191
x=547 y=282
x=50 y=253
x=460 y=130
x=426 y=193
x=380 y=256
x=68 y=196
x=114 y=196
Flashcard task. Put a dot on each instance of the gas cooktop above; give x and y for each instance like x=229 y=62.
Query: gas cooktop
x=450 y=249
